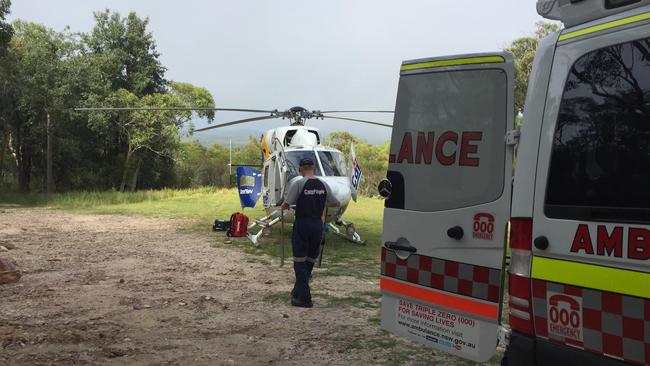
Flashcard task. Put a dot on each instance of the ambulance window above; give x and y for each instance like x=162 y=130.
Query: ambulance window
x=333 y=163
x=600 y=163
x=439 y=114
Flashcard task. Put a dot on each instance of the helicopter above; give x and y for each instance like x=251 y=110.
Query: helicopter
x=282 y=150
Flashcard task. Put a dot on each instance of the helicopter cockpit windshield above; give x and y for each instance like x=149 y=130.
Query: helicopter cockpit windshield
x=333 y=163
x=293 y=162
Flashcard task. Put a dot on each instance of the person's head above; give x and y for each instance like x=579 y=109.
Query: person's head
x=306 y=167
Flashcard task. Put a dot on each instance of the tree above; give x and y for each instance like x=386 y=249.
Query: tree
x=523 y=49
x=125 y=53
x=130 y=56
x=373 y=159
x=198 y=166
x=6 y=31
x=33 y=84
x=45 y=74
x=147 y=132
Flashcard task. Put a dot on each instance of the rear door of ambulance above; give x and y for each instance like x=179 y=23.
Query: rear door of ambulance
x=591 y=216
x=445 y=220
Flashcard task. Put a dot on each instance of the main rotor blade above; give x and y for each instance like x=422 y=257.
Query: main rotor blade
x=358 y=112
x=361 y=120
x=170 y=109
x=235 y=123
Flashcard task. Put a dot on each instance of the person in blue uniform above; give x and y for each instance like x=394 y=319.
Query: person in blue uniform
x=310 y=196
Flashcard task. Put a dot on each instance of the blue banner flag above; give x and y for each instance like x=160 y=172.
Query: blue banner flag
x=249 y=184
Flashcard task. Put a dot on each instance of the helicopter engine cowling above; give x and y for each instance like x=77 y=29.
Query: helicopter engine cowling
x=302 y=137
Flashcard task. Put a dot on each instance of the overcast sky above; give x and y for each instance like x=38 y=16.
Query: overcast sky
x=334 y=54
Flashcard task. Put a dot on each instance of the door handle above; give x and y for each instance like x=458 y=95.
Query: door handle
x=541 y=242
x=395 y=246
x=456 y=233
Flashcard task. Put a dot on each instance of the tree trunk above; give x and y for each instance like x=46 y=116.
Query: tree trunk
x=4 y=149
x=134 y=181
x=25 y=171
x=50 y=178
x=24 y=159
x=127 y=163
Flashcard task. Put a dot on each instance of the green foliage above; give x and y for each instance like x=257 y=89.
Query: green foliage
x=523 y=49
x=251 y=153
x=6 y=32
x=47 y=74
x=198 y=166
x=189 y=95
x=130 y=56
x=5 y=28
x=373 y=159
x=34 y=86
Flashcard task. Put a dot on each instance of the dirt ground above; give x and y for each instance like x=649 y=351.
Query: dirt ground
x=123 y=290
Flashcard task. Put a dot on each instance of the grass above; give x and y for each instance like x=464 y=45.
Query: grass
x=201 y=206
x=195 y=204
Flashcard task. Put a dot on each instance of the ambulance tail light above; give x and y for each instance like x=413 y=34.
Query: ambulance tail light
x=520 y=297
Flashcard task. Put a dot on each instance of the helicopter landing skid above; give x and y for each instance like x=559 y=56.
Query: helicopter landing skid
x=350 y=233
x=265 y=223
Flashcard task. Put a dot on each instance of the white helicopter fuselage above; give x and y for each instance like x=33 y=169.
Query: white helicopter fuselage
x=283 y=148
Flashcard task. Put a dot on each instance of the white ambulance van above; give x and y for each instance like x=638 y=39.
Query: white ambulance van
x=577 y=208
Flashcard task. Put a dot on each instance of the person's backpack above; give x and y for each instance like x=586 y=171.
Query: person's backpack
x=238 y=225
x=221 y=225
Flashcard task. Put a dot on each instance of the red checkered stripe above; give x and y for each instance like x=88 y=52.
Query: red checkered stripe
x=613 y=325
x=466 y=279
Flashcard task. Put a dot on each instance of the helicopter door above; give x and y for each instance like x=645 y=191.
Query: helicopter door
x=354 y=173
x=265 y=183
x=276 y=180
x=444 y=230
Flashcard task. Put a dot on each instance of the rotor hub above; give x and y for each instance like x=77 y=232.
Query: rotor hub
x=298 y=115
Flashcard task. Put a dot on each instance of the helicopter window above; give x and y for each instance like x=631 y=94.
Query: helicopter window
x=333 y=163
x=293 y=162
x=317 y=136
x=266 y=176
x=247 y=181
x=289 y=136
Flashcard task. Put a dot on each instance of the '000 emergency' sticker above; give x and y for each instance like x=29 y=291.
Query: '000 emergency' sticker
x=456 y=333
x=564 y=316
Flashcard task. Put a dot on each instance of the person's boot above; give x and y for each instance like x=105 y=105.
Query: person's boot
x=301 y=303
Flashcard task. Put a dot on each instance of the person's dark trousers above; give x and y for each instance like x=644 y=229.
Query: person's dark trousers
x=305 y=243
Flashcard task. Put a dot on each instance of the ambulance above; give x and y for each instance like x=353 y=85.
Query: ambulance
x=571 y=211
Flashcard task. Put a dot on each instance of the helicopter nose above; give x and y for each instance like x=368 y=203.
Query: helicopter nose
x=340 y=187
